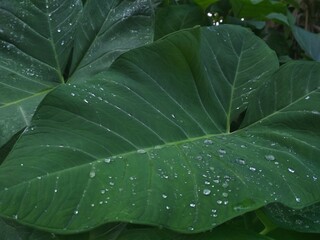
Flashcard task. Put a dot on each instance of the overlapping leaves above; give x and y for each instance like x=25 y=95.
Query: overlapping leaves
x=148 y=143
x=36 y=42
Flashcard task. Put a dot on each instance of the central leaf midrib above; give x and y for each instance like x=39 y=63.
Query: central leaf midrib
x=61 y=78
x=228 y=122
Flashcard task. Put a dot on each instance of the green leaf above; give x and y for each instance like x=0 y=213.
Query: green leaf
x=108 y=29
x=205 y=3
x=27 y=31
x=36 y=40
x=259 y=10
x=302 y=220
x=151 y=144
x=219 y=233
x=308 y=41
x=176 y=17
x=12 y=231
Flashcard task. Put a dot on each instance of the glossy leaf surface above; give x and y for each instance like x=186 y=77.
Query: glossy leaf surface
x=108 y=29
x=147 y=143
x=27 y=30
x=36 y=42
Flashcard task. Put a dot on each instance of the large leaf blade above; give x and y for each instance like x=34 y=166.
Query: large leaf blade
x=197 y=174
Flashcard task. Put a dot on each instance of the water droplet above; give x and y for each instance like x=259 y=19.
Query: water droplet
x=173 y=116
x=298 y=199
x=141 y=151
x=206 y=182
x=21 y=164
x=307 y=97
x=62 y=43
x=291 y=170
x=222 y=151
x=103 y=191
x=164 y=196
x=219 y=202
x=252 y=169
x=206 y=192
x=240 y=161
x=85 y=100
x=58 y=30
x=92 y=204
x=243 y=146
x=56 y=190
x=73 y=94
x=76 y=212
x=111 y=183
x=15 y=216
x=107 y=160
x=208 y=142
x=167 y=207
x=199 y=158
x=190 y=228
x=225 y=185
x=192 y=205
x=225 y=194
x=270 y=157
x=92 y=174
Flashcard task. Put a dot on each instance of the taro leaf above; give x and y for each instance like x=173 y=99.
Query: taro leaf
x=302 y=220
x=34 y=47
x=36 y=41
x=205 y=3
x=106 y=30
x=258 y=9
x=12 y=231
x=149 y=143
x=308 y=41
x=219 y=233
x=172 y=18
x=283 y=234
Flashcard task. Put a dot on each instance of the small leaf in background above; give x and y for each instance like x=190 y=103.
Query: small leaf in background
x=308 y=41
x=302 y=220
x=258 y=10
x=205 y=3
x=172 y=18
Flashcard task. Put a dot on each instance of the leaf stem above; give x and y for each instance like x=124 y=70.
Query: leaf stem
x=268 y=224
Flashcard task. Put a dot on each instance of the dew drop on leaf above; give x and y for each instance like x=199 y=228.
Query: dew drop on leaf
x=206 y=192
x=222 y=151
x=240 y=161
x=291 y=170
x=208 y=142
x=141 y=151
x=252 y=169
x=270 y=157
x=92 y=174
x=192 y=205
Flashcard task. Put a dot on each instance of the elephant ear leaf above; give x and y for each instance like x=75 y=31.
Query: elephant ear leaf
x=42 y=43
x=34 y=49
x=149 y=141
